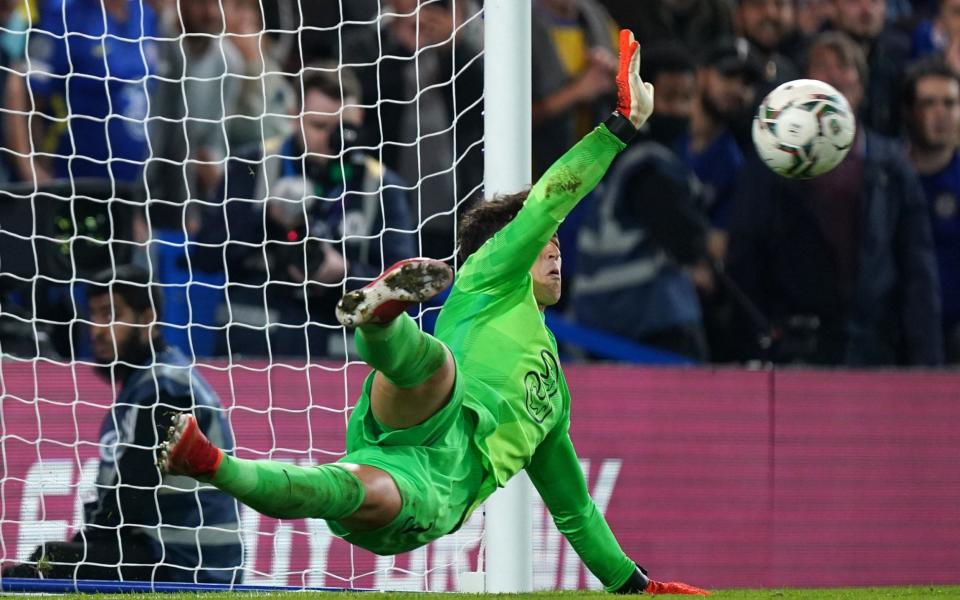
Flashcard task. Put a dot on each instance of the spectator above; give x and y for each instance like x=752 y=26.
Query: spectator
x=574 y=67
x=887 y=50
x=303 y=218
x=199 y=89
x=726 y=86
x=143 y=525
x=696 y=24
x=645 y=227
x=265 y=97
x=842 y=265
x=91 y=125
x=770 y=27
x=644 y=291
x=322 y=29
x=574 y=63
x=935 y=35
x=80 y=113
x=932 y=109
x=15 y=160
x=814 y=15
x=422 y=70
x=940 y=36
x=673 y=71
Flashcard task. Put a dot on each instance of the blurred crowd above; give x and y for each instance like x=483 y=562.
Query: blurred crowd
x=259 y=157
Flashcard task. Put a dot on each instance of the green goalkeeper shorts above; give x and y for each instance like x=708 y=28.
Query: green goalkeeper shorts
x=435 y=464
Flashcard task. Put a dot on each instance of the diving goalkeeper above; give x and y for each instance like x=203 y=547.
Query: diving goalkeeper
x=443 y=421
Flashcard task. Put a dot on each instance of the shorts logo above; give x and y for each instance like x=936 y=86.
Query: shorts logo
x=542 y=386
x=411 y=526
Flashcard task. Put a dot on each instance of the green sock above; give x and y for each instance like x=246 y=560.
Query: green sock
x=404 y=354
x=287 y=491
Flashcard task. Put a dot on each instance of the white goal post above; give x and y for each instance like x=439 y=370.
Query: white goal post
x=507 y=168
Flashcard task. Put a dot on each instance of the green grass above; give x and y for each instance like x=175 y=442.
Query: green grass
x=938 y=592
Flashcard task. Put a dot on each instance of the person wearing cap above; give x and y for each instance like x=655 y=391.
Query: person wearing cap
x=726 y=86
x=727 y=81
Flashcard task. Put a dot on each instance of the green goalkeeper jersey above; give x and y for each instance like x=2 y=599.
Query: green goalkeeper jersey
x=507 y=359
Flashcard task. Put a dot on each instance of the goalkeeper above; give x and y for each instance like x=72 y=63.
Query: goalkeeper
x=442 y=422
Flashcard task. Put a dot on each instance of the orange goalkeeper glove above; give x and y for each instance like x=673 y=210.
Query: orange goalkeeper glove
x=634 y=97
x=639 y=583
x=673 y=587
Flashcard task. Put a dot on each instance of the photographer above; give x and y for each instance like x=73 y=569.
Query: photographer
x=302 y=219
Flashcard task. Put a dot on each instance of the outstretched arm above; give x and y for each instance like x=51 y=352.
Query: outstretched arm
x=555 y=471
x=510 y=253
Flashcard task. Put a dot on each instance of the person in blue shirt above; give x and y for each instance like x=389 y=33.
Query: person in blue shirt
x=140 y=524
x=932 y=113
x=90 y=65
x=935 y=35
x=726 y=85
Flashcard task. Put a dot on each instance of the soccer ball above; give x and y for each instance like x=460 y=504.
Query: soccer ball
x=803 y=129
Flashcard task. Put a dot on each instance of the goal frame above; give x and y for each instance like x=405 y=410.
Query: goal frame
x=507 y=167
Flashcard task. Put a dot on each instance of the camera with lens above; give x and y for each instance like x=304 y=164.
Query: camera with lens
x=289 y=242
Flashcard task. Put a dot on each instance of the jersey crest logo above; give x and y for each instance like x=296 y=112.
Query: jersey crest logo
x=542 y=385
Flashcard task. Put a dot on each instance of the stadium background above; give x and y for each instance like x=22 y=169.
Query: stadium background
x=726 y=477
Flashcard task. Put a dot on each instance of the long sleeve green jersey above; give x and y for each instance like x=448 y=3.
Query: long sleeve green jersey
x=507 y=359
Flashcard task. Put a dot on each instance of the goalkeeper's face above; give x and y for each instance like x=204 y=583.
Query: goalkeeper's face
x=118 y=332
x=546 y=274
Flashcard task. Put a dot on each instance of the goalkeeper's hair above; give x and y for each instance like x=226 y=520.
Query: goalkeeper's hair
x=485 y=219
x=131 y=283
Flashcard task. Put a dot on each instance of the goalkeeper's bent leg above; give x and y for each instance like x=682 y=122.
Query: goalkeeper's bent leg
x=387 y=338
x=275 y=489
x=415 y=371
x=401 y=351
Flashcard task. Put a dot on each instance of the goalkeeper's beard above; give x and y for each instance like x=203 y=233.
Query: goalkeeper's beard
x=133 y=352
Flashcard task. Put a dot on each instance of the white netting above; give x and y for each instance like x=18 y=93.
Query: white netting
x=256 y=158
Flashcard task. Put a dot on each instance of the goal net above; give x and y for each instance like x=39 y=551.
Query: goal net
x=256 y=159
